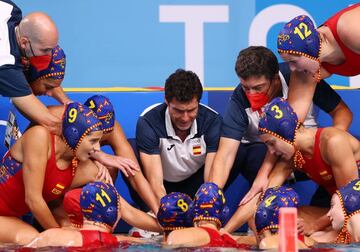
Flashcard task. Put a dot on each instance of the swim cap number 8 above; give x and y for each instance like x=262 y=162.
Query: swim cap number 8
x=183 y=205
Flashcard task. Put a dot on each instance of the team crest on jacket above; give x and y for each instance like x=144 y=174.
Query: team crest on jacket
x=196 y=149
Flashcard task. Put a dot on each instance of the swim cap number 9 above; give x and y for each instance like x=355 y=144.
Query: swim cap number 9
x=72 y=115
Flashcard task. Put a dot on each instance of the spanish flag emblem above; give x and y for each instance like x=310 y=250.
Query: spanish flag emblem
x=58 y=189
x=325 y=175
x=196 y=149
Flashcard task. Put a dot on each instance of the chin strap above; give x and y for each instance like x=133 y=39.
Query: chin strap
x=344 y=237
x=298 y=159
x=74 y=165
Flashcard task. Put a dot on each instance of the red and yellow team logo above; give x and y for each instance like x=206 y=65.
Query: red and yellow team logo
x=58 y=189
x=196 y=149
x=325 y=175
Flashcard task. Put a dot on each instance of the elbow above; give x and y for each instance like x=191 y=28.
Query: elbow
x=31 y=201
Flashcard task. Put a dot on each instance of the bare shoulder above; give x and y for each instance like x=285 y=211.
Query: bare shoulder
x=58 y=237
x=37 y=136
x=333 y=137
x=270 y=242
x=37 y=130
x=349 y=30
x=189 y=237
x=57 y=110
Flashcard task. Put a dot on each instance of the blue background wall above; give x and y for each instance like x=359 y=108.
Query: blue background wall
x=139 y=43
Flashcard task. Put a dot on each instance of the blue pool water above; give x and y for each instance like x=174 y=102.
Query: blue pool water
x=157 y=247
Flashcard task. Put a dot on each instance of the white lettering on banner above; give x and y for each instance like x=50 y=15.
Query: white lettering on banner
x=5 y=14
x=275 y=14
x=354 y=81
x=270 y=16
x=194 y=17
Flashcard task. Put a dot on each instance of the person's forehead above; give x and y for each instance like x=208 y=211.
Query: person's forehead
x=288 y=56
x=269 y=137
x=51 y=82
x=254 y=81
x=184 y=105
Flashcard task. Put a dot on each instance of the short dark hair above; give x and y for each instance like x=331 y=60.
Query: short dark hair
x=256 y=61
x=183 y=86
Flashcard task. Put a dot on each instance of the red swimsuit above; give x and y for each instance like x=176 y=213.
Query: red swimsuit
x=319 y=171
x=221 y=240
x=95 y=238
x=12 y=191
x=316 y=169
x=350 y=66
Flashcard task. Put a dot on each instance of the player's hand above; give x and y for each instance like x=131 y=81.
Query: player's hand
x=305 y=228
x=260 y=184
x=103 y=174
x=127 y=166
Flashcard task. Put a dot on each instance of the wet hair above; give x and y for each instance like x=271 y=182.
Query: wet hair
x=183 y=86
x=256 y=61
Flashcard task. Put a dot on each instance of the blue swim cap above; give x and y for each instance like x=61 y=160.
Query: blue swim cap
x=299 y=36
x=78 y=121
x=55 y=70
x=104 y=110
x=279 y=120
x=349 y=196
x=175 y=211
x=210 y=204
x=100 y=203
x=267 y=212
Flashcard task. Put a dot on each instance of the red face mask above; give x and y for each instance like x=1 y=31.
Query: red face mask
x=40 y=62
x=257 y=100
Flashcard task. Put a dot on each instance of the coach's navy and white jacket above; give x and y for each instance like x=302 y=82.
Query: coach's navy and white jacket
x=156 y=135
x=241 y=123
x=12 y=79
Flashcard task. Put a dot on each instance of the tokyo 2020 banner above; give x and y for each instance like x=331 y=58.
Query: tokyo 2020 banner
x=138 y=43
